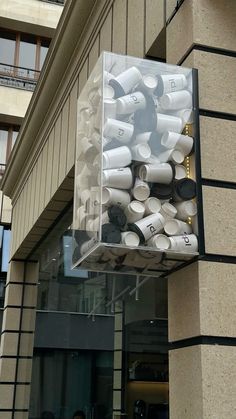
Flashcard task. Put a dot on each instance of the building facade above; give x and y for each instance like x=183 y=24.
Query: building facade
x=39 y=180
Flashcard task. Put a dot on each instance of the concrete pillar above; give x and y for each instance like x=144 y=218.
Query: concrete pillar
x=202 y=296
x=17 y=339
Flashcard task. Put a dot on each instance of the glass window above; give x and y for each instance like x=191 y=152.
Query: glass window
x=14 y=136
x=27 y=52
x=7 y=47
x=65 y=381
x=43 y=51
x=3 y=145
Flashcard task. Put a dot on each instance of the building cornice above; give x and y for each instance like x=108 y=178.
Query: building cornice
x=68 y=33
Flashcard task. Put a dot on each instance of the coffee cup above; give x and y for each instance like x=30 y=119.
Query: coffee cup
x=121 y=178
x=121 y=131
x=185 y=243
x=111 y=196
x=116 y=158
x=134 y=211
x=168 y=83
x=141 y=190
x=148 y=226
x=176 y=100
x=176 y=227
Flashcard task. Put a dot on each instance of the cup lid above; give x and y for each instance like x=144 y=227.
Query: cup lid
x=111 y=233
x=169 y=209
x=162 y=191
x=171 y=227
x=130 y=238
x=116 y=216
x=137 y=207
x=153 y=204
x=150 y=81
x=191 y=208
x=162 y=241
x=180 y=171
x=186 y=188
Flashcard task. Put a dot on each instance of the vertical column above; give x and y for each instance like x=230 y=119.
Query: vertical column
x=118 y=361
x=17 y=339
x=202 y=296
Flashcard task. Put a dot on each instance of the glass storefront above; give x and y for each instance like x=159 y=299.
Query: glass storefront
x=70 y=377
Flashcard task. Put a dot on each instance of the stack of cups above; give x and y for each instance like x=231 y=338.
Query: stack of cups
x=147 y=195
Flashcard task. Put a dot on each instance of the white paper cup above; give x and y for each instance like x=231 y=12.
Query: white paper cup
x=148 y=226
x=149 y=83
x=152 y=205
x=108 y=92
x=130 y=103
x=109 y=108
x=160 y=173
x=111 y=196
x=185 y=243
x=141 y=152
x=180 y=171
x=172 y=140
x=176 y=156
x=168 y=123
x=168 y=83
x=126 y=80
x=159 y=241
x=142 y=138
x=141 y=190
x=121 y=131
x=176 y=100
x=134 y=211
x=176 y=227
x=121 y=178
x=186 y=209
x=129 y=238
x=186 y=115
x=168 y=211
x=116 y=158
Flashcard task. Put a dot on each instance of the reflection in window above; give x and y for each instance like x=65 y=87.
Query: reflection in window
x=8 y=135
x=7 y=47
x=65 y=381
x=27 y=52
x=3 y=146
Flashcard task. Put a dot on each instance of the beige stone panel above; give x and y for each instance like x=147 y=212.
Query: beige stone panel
x=52 y=160
x=28 y=319
x=217 y=140
x=170 y=7
x=9 y=344
x=6 y=210
x=118 y=340
x=24 y=370
x=201 y=22
x=7 y=369
x=5 y=415
x=13 y=294
x=116 y=399
x=185 y=384
x=22 y=396
x=30 y=295
x=11 y=318
x=93 y=55
x=31 y=273
x=117 y=359
x=42 y=14
x=37 y=188
x=119 y=27
x=219 y=211
x=63 y=142
x=183 y=303
x=117 y=379
x=43 y=179
x=201 y=301
x=154 y=21
x=214 y=24
x=6 y=396
x=72 y=127
x=15 y=272
x=216 y=87
x=83 y=75
x=217 y=296
x=135 y=30
x=21 y=415
x=218 y=381
x=179 y=32
x=26 y=344
x=105 y=33
x=32 y=195
x=118 y=321
x=14 y=102
x=28 y=193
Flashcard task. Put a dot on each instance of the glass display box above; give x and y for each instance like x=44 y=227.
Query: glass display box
x=135 y=198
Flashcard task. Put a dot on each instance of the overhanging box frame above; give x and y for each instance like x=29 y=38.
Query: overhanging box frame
x=124 y=99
